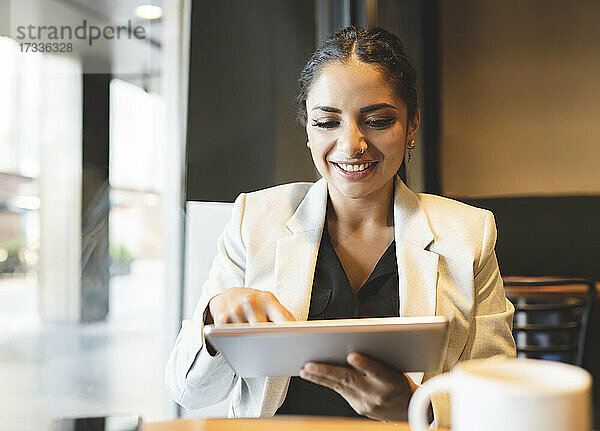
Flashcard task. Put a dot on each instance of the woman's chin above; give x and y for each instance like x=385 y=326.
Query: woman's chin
x=353 y=189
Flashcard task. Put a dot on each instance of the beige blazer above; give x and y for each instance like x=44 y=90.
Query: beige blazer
x=446 y=266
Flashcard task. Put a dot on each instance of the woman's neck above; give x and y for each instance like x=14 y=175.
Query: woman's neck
x=346 y=216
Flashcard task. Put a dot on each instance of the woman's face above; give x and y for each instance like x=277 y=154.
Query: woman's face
x=349 y=106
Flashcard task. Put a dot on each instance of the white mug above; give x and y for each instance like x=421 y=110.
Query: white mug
x=509 y=394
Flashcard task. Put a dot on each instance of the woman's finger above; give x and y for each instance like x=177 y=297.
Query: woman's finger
x=220 y=318
x=345 y=390
x=351 y=394
x=238 y=315
x=254 y=312
x=277 y=312
x=371 y=368
x=343 y=376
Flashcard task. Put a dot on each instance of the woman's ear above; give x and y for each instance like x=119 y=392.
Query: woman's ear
x=413 y=124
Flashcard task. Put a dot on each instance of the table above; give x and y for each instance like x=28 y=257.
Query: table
x=281 y=423
x=551 y=289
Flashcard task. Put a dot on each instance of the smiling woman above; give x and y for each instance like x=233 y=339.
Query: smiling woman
x=357 y=243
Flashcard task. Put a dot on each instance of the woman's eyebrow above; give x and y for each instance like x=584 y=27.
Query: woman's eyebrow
x=362 y=110
x=327 y=109
x=376 y=107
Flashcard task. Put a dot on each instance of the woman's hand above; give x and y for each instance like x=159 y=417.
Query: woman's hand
x=242 y=304
x=371 y=388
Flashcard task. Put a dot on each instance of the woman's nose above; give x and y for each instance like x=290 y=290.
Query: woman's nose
x=351 y=142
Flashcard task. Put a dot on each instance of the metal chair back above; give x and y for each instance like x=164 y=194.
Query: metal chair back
x=552 y=316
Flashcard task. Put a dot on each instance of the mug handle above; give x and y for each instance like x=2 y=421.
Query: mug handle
x=419 y=402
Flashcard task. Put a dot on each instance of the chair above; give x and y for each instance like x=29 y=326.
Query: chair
x=552 y=316
x=204 y=223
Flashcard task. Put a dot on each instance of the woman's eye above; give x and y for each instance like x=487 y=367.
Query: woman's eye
x=325 y=124
x=381 y=123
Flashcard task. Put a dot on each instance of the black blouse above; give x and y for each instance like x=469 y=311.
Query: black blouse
x=332 y=297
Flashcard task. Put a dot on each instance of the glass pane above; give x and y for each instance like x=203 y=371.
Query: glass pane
x=55 y=363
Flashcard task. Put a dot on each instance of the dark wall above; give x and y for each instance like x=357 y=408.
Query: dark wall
x=242 y=132
x=556 y=236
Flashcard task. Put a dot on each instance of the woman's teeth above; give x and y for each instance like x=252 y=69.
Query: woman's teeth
x=354 y=168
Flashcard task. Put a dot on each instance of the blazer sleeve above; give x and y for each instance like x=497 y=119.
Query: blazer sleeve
x=491 y=323
x=491 y=327
x=195 y=378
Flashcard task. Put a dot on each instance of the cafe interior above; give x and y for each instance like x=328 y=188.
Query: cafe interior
x=119 y=161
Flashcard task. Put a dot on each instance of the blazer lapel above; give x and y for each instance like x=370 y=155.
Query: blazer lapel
x=295 y=261
x=417 y=266
x=296 y=255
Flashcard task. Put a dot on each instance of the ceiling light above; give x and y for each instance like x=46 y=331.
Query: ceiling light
x=148 y=11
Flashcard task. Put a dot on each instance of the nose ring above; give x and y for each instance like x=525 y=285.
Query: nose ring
x=363 y=147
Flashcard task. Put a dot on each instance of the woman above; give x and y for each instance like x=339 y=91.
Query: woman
x=357 y=243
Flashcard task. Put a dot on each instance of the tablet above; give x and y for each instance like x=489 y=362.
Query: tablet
x=282 y=349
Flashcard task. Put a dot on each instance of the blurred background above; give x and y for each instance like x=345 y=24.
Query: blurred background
x=101 y=149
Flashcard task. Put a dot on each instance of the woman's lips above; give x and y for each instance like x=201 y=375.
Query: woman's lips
x=359 y=175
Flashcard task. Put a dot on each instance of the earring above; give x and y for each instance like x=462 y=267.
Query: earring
x=308 y=144
x=410 y=147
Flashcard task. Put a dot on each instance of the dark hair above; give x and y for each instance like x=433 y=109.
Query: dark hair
x=372 y=45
